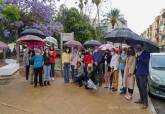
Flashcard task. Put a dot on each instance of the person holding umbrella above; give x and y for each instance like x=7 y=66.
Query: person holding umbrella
x=52 y=61
x=74 y=60
x=142 y=72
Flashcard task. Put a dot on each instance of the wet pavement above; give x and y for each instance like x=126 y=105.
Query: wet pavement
x=19 y=97
x=159 y=104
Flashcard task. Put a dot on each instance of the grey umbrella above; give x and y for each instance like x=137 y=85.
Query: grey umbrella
x=92 y=43
x=34 y=32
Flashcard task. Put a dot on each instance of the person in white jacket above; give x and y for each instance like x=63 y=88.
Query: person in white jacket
x=114 y=64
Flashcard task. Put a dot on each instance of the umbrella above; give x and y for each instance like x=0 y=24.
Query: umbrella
x=149 y=45
x=122 y=35
x=35 y=44
x=92 y=43
x=51 y=40
x=105 y=47
x=3 y=45
x=73 y=43
x=35 y=32
x=31 y=41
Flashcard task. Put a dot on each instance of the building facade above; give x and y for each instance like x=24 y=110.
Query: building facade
x=156 y=31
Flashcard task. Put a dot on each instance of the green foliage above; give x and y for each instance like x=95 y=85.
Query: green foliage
x=73 y=21
x=114 y=17
x=1 y=1
x=11 y=12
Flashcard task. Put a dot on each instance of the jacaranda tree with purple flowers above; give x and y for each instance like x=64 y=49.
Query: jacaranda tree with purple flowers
x=36 y=14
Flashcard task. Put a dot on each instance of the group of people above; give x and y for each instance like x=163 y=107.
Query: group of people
x=105 y=66
x=37 y=62
x=93 y=67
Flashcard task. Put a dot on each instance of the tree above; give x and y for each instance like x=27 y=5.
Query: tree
x=11 y=12
x=97 y=3
x=114 y=17
x=73 y=21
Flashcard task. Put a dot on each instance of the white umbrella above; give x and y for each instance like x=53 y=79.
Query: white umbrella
x=51 y=40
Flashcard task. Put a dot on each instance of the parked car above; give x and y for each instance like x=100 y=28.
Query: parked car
x=156 y=84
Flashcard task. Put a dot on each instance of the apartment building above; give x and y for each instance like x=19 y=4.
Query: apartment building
x=156 y=31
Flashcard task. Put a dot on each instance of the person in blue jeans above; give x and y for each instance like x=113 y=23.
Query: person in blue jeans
x=74 y=60
x=47 y=67
x=98 y=57
x=38 y=63
x=122 y=64
x=66 y=60
x=142 y=72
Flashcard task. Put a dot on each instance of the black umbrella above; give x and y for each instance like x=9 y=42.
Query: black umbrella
x=150 y=46
x=32 y=31
x=125 y=35
x=122 y=35
x=92 y=43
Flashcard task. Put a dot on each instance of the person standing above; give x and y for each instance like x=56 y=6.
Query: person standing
x=98 y=57
x=114 y=64
x=88 y=61
x=47 y=67
x=38 y=64
x=74 y=60
x=130 y=72
x=52 y=62
x=122 y=63
x=66 y=60
x=31 y=74
x=107 y=69
x=26 y=61
x=142 y=72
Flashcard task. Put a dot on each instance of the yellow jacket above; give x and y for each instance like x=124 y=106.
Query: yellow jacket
x=66 y=58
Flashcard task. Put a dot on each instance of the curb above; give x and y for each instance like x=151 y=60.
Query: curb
x=151 y=106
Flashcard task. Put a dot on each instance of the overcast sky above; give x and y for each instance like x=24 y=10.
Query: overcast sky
x=139 y=13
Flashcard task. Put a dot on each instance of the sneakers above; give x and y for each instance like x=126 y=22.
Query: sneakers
x=52 y=78
x=123 y=90
x=128 y=97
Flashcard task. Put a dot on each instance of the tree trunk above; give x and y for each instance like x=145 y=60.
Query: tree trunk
x=4 y=54
x=17 y=47
x=98 y=14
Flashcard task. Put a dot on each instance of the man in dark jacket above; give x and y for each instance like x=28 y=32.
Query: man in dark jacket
x=142 y=72
x=98 y=57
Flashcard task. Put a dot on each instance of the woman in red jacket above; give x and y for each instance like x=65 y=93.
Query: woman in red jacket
x=52 y=61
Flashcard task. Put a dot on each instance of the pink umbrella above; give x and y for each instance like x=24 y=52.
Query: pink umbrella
x=3 y=45
x=29 y=38
x=31 y=41
x=105 y=47
x=73 y=43
x=35 y=44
